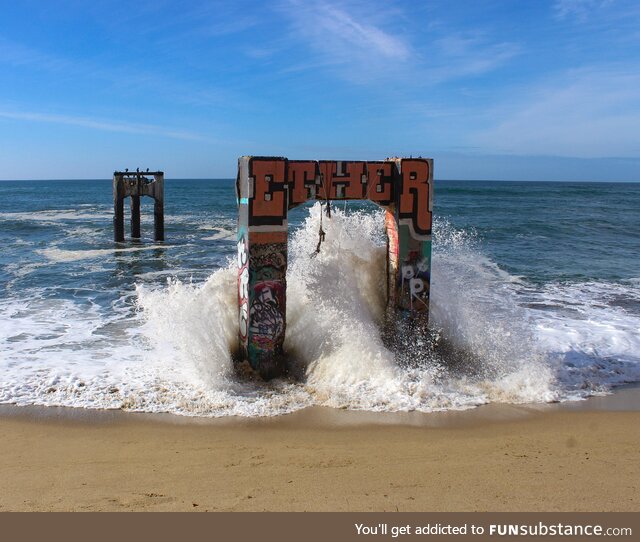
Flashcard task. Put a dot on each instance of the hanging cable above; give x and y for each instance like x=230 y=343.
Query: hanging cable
x=321 y=232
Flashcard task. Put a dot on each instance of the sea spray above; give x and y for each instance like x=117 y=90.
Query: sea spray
x=497 y=337
x=334 y=343
x=193 y=326
x=476 y=311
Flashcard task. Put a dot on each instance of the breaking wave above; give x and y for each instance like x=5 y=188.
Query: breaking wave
x=497 y=337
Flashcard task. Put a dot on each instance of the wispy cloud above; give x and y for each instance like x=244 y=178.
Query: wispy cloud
x=103 y=125
x=591 y=112
x=462 y=55
x=363 y=43
x=347 y=39
x=340 y=34
x=578 y=9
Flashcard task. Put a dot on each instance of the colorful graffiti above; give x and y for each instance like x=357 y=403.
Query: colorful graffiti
x=268 y=204
x=268 y=187
x=268 y=261
x=414 y=202
x=267 y=315
x=406 y=180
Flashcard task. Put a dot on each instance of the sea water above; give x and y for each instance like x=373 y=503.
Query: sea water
x=535 y=298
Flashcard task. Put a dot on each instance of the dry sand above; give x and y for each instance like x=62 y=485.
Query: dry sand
x=496 y=458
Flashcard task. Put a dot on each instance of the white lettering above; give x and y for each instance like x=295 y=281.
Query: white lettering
x=242 y=253
x=416 y=286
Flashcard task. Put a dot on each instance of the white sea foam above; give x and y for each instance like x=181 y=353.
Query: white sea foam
x=501 y=339
x=53 y=215
x=221 y=234
x=56 y=254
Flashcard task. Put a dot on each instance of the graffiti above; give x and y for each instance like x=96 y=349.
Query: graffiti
x=344 y=180
x=267 y=317
x=414 y=203
x=268 y=205
x=380 y=182
x=414 y=284
x=268 y=261
x=274 y=185
x=243 y=287
x=408 y=270
x=267 y=187
x=302 y=177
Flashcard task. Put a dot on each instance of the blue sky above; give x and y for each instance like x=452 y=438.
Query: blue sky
x=492 y=89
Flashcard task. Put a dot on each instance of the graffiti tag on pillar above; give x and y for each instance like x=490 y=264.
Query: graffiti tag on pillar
x=267 y=321
x=269 y=261
x=243 y=287
x=414 y=282
x=414 y=206
x=268 y=204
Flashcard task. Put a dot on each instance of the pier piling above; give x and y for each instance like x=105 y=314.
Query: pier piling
x=135 y=217
x=137 y=184
x=118 y=211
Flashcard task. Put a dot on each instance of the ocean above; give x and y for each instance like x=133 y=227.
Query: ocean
x=535 y=299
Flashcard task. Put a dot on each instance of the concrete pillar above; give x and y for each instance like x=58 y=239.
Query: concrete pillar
x=135 y=217
x=158 y=207
x=118 y=208
x=408 y=224
x=262 y=262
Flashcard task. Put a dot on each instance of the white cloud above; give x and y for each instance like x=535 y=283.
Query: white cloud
x=361 y=43
x=335 y=32
x=352 y=44
x=592 y=112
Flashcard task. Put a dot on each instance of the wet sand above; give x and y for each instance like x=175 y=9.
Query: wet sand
x=574 y=457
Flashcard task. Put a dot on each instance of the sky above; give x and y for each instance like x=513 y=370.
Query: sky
x=491 y=89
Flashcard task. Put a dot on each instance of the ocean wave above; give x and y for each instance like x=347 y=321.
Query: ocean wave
x=170 y=348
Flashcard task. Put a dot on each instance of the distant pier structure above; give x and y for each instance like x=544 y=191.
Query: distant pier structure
x=136 y=184
x=268 y=187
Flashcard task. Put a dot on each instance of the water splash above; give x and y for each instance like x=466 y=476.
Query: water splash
x=497 y=338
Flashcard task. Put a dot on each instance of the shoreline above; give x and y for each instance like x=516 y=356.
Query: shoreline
x=558 y=457
x=623 y=398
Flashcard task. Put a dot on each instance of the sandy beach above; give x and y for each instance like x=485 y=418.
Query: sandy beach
x=575 y=457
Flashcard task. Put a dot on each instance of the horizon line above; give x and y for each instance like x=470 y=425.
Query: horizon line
x=108 y=179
